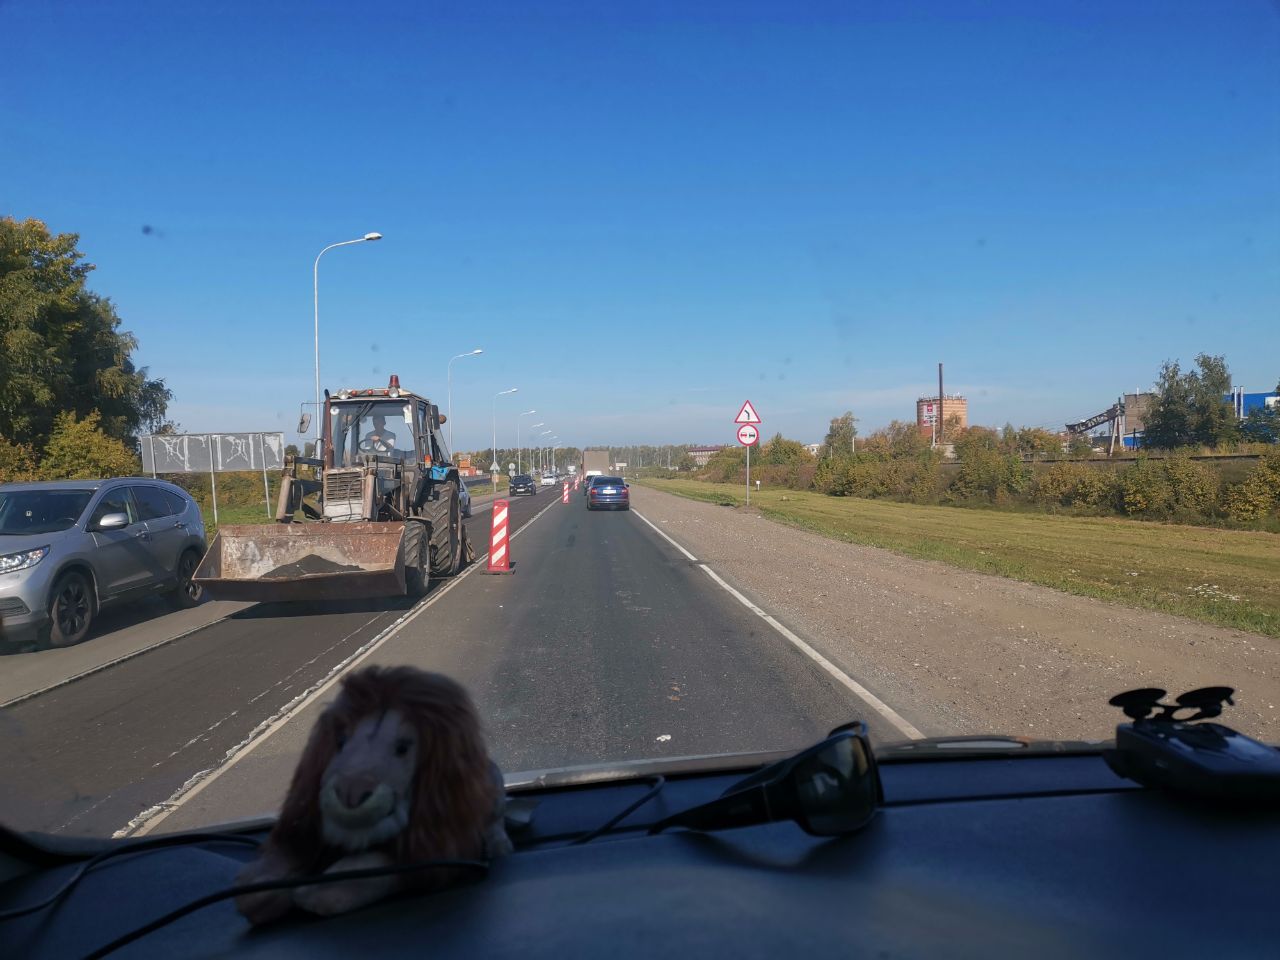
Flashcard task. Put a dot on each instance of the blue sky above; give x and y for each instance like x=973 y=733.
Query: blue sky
x=646 y=213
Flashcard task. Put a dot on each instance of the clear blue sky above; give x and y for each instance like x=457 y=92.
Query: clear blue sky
x=647 y=212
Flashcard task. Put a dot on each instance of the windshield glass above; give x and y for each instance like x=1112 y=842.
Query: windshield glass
x=930 y=349
x=40 y=511
x=383 y=429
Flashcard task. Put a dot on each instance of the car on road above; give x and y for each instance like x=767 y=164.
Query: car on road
x=549 y=480
x=69 y=548
x=464 y=499
x=522 y=485
x=608 y=493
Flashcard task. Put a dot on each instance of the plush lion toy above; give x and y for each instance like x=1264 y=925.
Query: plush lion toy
x=395 y=771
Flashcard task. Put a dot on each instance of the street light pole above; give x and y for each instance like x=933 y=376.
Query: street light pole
x=500 y=393
x=315 y=284
x=519 y=445
x=474 y=353
x=542 y=448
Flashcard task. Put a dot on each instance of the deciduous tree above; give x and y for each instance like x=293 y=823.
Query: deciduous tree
x=61 y=346
x=1192 y=409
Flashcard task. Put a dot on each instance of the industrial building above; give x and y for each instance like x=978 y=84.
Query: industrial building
x=953 y=408
x=1132 y=421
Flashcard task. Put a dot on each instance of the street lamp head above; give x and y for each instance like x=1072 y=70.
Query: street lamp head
x=503 y=393
x=475 y=352
x=528 y=412
x=372 y=236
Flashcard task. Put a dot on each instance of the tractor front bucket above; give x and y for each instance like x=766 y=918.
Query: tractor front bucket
x=304 y=561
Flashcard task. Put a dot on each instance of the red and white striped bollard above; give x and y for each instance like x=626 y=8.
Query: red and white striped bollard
x=499 y=540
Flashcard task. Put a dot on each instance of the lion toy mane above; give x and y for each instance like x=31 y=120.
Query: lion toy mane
x=395 y=772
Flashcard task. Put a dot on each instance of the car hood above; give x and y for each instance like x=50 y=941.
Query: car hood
x=17 y=543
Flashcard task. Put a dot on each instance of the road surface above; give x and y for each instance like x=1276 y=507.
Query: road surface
x=606 y=643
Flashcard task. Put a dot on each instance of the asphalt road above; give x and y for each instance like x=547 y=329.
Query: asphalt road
x=606 y=643
x=86 y=757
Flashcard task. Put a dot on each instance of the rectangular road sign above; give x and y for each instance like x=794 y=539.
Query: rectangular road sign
x=208 y=452
x=747 y=414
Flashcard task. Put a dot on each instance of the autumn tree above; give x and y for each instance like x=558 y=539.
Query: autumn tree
x=840 y=435
x=79 y=450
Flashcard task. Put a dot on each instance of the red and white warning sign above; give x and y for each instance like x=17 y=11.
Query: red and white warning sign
x=500 y=540
x=748 y=435
x=747 y=414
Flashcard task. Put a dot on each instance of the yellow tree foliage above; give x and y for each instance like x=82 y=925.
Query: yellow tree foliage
x=79 y=450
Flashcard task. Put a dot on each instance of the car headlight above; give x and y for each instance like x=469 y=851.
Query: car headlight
x=12 y=562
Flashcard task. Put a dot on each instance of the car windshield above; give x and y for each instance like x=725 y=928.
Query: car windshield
x=928 y=350
x=40 y=511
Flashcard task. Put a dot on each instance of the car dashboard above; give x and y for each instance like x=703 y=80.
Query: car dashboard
x=1045 y=855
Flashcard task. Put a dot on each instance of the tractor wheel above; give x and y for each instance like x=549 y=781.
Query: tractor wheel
x=446 y=531
x=414 y=551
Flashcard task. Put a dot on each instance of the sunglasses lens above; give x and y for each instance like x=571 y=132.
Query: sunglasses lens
x=837 y=788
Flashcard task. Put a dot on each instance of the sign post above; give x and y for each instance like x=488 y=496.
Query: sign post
x=748 y=436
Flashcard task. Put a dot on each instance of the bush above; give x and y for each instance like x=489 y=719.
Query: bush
x=79 y=450
x=1194 y=486
x=987 y=473
x=1145 y=489
x=1259 y=494
x=17 y=462
x=1076 y=485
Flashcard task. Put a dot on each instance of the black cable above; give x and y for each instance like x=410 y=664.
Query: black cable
x=288 y=883
x=656 y=785
x=157 y=843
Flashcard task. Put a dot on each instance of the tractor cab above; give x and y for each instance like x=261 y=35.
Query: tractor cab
x=386 y=423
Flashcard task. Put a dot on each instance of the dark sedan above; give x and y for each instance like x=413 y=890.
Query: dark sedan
x=608 y=493
x=522 y=484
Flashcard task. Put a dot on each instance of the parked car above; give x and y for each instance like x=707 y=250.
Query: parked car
x=608 y=493
x=72 y=547
x=522 y=484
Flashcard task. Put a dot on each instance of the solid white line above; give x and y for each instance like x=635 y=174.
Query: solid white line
x=148 y=819
x=876 y=704
x=664 y=536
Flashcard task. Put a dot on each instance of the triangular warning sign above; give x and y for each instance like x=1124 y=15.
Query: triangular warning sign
x=747 y=414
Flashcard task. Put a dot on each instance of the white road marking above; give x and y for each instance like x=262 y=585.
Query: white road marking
x=149 y=819
x=876 y=704
x=664 y=536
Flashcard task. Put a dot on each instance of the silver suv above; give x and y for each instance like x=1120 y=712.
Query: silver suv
x=71 y=547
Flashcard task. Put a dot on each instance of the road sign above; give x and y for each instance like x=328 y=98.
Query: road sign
x=748 y=435
x=493 y=467
x=747 y=414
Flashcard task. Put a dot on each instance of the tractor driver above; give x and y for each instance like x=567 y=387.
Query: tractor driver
x=379 y=439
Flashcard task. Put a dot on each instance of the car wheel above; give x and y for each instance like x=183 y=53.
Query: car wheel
x=70 y=610
x=188 y=593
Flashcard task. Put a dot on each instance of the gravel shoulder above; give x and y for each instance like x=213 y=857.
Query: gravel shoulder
x=958 y=652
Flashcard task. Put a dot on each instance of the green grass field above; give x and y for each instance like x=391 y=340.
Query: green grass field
x=1225 y=577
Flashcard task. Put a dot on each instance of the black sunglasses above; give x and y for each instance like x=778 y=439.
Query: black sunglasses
x=829 y=789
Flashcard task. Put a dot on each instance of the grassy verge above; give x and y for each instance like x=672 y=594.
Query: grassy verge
x=1225 y=577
